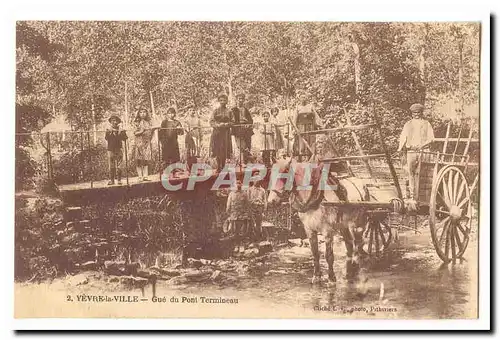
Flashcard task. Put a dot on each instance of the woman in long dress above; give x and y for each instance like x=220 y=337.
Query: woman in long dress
x=141 y=151
x=220 y=142
x=305 y=119
x=170 y=129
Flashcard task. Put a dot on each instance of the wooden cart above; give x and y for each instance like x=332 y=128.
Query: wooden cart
x=443 y=185
x=442 y=190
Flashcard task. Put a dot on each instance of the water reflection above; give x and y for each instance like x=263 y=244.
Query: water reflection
x=411 y=280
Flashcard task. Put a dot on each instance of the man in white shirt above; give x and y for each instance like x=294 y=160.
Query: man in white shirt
x=417 y=135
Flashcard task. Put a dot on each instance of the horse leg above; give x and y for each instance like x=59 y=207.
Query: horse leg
x=349 y=245
x=329 y=256
x=354 y=242
x=313 y=240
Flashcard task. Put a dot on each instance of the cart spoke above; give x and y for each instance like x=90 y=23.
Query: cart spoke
x=441 y=196
x=366 y=232
x=447 y=213
x=444 y=232
x=447 y=243
x=370 y=242
x=457 y=238
x=382 y=235
x=460 y=191
x=455 y=187
x=462 y=203
x=450 y=187
x=446 y=195
x=465 y=231
x=377 y=246
x=441 y=223
x=452 y=239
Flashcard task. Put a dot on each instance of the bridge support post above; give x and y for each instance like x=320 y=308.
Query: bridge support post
x=198 y=217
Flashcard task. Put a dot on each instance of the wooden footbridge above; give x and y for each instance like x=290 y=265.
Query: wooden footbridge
x=77 y=163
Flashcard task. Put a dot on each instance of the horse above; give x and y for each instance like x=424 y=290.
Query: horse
x=324 y=219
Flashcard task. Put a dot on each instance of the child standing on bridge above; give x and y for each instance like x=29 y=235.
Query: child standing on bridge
x=279 y=124
x=268 y=131
x=142 y=143
x=115 y=138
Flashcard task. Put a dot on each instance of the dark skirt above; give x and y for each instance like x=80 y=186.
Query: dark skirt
x=170 y=151
x=220 y=143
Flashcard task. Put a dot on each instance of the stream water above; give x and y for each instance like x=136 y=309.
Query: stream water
x=409 y=281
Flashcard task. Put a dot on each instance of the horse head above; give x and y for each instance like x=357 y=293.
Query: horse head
x=305 y=178
x=277 y=193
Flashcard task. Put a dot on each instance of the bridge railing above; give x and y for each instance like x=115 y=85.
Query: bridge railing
x=71 y=157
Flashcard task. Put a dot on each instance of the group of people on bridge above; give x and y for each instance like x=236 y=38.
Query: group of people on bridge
x=233 y=131
x=237 y=124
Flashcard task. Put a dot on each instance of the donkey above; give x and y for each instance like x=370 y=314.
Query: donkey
x=323 y=219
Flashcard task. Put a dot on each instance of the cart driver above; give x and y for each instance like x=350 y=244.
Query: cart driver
x=417 y=135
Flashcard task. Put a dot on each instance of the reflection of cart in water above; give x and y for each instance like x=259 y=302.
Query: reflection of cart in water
x=442 y=190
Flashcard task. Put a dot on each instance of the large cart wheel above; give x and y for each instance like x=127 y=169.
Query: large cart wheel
x=450 y=213
x=377 y=235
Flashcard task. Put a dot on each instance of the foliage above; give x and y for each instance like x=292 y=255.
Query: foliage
x=192 y=61
x=38 y=232
x=34 y=52
x=25 y=168
x=83 y=68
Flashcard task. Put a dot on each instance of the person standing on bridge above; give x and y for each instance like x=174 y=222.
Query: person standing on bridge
x=115 y=138
x=194 y=134
x=268 y=131
x=141 y=151
x=242 y=129
x=417 y=135
x=170 y=129
x=305 y=119
x=279 y=123
x=220 y=142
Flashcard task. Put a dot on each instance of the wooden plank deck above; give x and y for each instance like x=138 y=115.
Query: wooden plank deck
x=100 y=191
x=104 y=184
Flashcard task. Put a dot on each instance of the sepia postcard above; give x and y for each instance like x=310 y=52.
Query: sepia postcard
x=248 y=169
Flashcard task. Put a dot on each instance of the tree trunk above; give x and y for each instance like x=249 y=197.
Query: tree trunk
x=63 y=132
x=421 y=63
x=176 y=105
x=126 y=107
x=357 y=68
x=460 y=76
x=152 y=104
x=459 y=36
x=357 y=73
x=94 y=123
x=230 y=90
